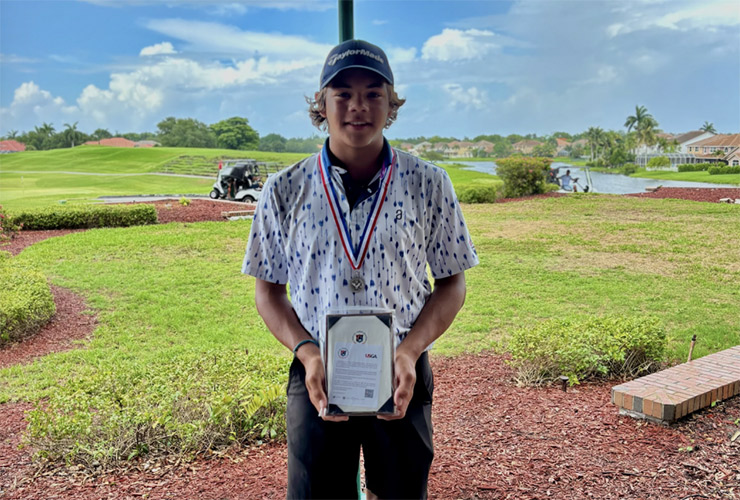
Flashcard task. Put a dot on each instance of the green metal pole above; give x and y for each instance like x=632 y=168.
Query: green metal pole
x=346 y=21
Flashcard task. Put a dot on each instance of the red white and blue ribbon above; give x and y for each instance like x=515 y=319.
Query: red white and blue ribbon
x=355 y=254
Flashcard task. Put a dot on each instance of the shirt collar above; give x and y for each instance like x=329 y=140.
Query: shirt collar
x=326 y=158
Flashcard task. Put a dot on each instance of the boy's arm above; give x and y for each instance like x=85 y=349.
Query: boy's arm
x=436 y=316
x=278 y=314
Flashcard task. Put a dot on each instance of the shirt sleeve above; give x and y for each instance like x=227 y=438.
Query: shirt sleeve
x=450 y=249
x=265 y=254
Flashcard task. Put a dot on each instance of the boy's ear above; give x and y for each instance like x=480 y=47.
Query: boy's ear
x=322 y=112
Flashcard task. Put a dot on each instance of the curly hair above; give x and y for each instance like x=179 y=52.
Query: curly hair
x=318 y=105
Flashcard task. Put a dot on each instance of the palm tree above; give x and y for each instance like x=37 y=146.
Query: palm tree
x=708 y=127
x=595 y=136
x=71 y=133
x=634 y=121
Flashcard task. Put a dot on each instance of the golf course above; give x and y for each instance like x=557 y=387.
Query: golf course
x=180 y=361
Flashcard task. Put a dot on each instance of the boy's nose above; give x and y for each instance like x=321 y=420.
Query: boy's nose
x=358 y=103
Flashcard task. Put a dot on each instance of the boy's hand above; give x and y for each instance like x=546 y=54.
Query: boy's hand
x=405 y=365
x=311 y=359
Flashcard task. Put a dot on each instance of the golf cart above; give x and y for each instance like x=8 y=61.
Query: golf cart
x=555 y=173
x=238 y=180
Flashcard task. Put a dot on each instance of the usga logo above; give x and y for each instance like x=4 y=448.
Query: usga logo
x=360 y=337
x=371 y=355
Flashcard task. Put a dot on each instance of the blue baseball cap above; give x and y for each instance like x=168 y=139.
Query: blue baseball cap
x=355 y=54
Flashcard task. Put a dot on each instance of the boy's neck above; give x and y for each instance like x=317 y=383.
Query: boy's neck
x=361 y=164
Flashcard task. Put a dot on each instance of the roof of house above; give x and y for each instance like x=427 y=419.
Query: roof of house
x=12 y=145
x=562 y=141
x=580 y=142
x=459 y=144
x=720 y=140
x=118 y=142
x=683 y=138
x=527 y=143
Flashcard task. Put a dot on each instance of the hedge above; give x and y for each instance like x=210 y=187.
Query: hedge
x=479 y=193
x=580 y=349
x=86 y=216
x=724 y=170
x=693 y=167
x=26 y=303
x=523 y=176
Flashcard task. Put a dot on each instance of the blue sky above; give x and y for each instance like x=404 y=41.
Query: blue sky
x=465 y=67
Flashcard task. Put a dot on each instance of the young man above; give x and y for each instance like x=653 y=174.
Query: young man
x=356 y=225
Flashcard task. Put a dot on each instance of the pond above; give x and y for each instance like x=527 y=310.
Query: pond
x=607 y=183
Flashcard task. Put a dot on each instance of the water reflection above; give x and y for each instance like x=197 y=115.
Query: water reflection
x=607 y=183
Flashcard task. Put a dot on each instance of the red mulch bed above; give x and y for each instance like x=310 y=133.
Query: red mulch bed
x=693 y=194
x=492 y=439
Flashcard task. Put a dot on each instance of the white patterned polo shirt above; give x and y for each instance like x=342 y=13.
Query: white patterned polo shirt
x=294 y=240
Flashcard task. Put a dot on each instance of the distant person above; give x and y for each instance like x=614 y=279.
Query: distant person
x=566 y=180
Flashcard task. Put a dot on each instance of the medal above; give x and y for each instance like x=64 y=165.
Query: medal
x=357 y=283
x=355 y=254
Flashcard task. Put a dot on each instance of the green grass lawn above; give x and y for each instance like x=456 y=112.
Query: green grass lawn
x=37 y=178
x=690 y=176
x=18 y=191
x=176 y=318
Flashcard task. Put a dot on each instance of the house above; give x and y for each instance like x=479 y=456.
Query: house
x=146 y=144
x=407 y=146
x=707 y=149
x=654 y=149
x=11 y=146
x=459 y=149
x=117 y=142
x=484 y=146
x=526 y=147
x=689 y=138
x=733 y=159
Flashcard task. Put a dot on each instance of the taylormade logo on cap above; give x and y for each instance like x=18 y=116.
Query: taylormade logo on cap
x=353 y=52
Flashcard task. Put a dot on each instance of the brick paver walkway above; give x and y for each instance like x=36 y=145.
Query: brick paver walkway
x=670 y=394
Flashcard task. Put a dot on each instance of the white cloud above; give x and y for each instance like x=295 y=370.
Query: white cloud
x=398 y=55
x=679 y=16
x=470 y=98
x=158 y=49
x=225 y=39
x=233 y=7
x=379 y=22
x=13 y=59
x=31 y=105
x=454 y=44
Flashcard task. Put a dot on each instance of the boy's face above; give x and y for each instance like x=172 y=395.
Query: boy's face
x=357 y=107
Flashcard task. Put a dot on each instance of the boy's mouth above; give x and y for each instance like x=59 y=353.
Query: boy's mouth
x=358 y=124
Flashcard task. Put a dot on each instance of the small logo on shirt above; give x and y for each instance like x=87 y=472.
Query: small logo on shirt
x=360 y=337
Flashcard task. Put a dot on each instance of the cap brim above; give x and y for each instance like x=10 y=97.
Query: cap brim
x=333 y=75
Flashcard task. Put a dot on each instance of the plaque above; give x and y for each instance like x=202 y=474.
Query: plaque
x=358 y=356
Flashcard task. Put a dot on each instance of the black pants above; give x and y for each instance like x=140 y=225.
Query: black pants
x=323 y=457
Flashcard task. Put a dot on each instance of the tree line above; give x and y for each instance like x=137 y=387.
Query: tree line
x=232 y=133
x=603 y=148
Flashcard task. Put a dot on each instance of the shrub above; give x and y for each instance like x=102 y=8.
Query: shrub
x=26 y=302
x=724 y=170
x=628 y=168
x=184 y=201
x=523 y=176
x=86 y=216
x=479 y=193
x=125 y=411
x=591 y=347
x=693 y=167
x=8 y=227
x=659 y=162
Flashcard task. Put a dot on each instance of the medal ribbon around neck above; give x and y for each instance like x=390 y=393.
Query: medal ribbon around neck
x=356 y=255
